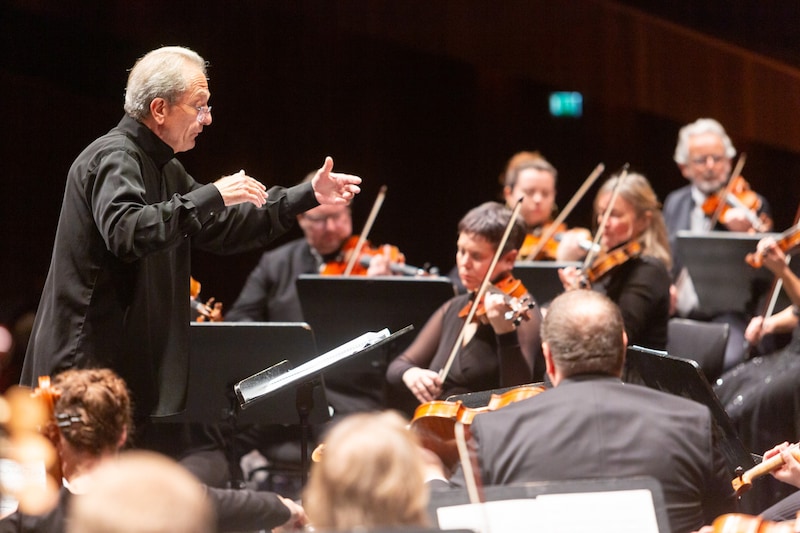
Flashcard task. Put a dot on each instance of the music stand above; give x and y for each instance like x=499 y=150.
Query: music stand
x=724 y=282
x=684 y=377
x=276 y=379
x=452 y=497
x=541 y=278
x=339 y=308
x=222 y=353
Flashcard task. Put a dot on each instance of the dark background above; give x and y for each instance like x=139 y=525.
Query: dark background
x=429 y=98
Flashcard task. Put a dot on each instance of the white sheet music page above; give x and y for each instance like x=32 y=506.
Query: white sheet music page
x=256 y=386
x=622 y=511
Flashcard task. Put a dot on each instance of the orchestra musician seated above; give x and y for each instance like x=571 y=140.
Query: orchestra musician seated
x=369 y=475
x=592 y=425
x=530 y=176
x=91 y=423
x=760 y=395
x=704 y=154
x=632 y=267
x=270 y=294
x=451 y=356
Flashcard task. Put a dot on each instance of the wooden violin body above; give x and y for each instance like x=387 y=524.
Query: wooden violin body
x=737 y=194
x=742 y=523
x=547 y=249
x=516 y=298
x=788 y=240
x=338 y=266
x=434 y=422
x=605 y=263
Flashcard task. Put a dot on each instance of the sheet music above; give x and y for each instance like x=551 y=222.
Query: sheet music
x=622 y=511
x=256 y=387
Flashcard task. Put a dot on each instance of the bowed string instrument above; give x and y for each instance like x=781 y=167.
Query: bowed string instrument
x=596 y=265
x=546 y=244
x=787 y=241
x=357 y=252
x=736 y=194
x=518 y=308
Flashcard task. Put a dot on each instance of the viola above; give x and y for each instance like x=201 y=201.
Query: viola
x=516 y=297
x=737 y=194
x=434 y=422
x=742 y=523
x=338 y=266
x=788 y=240
x=605 y=263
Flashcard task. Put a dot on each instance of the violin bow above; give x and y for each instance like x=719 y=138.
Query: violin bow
x=553 y=227
x=737 y=170
x=594 y=250
x=362 y=238
x=481 y=290
x=775 y=288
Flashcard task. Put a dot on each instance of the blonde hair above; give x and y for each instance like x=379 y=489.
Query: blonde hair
x=371 y=474
x=636 y=190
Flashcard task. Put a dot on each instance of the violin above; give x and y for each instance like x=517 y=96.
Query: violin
x=607 y=262
x=516 y=297
x=788 y=240
x=28 y=418
x=338 y=266
x=434 y=422
x=744 y=480
x=548 y=248
x=209 y=311
x=742 y=523
x=737 y=194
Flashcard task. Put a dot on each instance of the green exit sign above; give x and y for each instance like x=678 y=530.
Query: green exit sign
x=566 y=104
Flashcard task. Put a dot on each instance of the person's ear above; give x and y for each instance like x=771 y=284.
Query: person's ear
x=158 y=109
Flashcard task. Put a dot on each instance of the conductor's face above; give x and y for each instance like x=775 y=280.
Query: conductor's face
x=184 y=120
x=326 y=227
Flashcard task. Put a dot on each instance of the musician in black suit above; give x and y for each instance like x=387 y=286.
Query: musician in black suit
x=704 y=154
x=591 y=425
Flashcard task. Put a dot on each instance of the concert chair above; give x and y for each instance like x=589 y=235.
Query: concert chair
x=703 y=342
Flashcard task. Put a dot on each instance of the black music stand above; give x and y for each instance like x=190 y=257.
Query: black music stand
x=541 y=278
x=222 y=353
x=452 y=497
x=724 y=282
x=269 y=383
x=684 y=377
x=340 y=308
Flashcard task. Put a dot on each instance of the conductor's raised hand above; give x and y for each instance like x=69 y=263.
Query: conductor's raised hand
x=334 y=187
x=240 y=188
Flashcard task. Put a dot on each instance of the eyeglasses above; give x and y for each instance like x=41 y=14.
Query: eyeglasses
x=203 y=111
x=703 y=159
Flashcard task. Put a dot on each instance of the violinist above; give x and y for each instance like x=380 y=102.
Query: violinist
x=531 y=177
x=592 y=425
x=633 y=266
x=494 y=352
x=270 y=294
x=704 y=153
x=761 y=395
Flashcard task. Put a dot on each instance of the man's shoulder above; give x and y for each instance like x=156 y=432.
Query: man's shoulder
x=678 y=195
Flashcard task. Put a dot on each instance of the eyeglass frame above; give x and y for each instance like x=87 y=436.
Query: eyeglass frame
x=703 y=160
x=202 y=111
